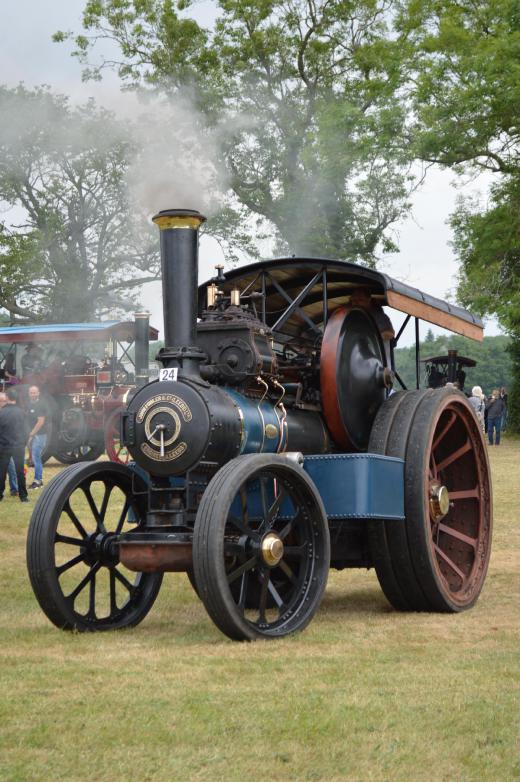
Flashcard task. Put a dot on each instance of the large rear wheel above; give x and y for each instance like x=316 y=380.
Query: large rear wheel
x=437 y=559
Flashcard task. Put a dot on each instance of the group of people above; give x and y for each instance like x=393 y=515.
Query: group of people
x=491 y=411
x=20 y=428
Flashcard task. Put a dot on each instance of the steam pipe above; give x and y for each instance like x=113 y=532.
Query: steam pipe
x=179 y=263
x=142 y=343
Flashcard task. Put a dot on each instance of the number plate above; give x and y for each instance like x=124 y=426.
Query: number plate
x=169 y=374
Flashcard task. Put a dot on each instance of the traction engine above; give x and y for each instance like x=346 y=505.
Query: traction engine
x=271 y=448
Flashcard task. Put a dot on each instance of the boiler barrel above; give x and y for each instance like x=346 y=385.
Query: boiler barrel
x=172 y=426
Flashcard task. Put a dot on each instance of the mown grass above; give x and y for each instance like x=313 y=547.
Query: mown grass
x=364 y=693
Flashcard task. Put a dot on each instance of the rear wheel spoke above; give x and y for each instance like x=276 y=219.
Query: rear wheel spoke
x=444 y=431
x=449 y=562
x=454 y=533
x=465 y=494
x=454 y=456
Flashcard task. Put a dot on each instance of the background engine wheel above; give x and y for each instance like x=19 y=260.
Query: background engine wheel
x=87 y=452
x=116 y=451
x=71 y=557
x=437 y=560
x=261 y=548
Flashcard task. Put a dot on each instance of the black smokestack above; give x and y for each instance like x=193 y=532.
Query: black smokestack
x=142 y=344
x=179 y=263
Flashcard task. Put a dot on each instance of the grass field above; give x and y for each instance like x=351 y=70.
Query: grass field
x=363 y=694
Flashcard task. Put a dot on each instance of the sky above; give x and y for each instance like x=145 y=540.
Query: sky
x=28 y=54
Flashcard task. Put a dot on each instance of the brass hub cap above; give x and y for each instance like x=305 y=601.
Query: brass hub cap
x=272 y=549
x=439 y=501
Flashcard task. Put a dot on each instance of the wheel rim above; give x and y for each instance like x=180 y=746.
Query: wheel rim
x=79 y=453
x=457 y=477
x=116 y=451
x=270 y=552
x=96 y=588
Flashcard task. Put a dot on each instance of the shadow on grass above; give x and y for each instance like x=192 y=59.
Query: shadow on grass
x=356 y=601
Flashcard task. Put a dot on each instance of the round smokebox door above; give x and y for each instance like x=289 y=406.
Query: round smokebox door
x=171 y=427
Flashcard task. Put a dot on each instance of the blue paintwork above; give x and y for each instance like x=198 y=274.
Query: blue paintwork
x=56 y=328
x=351 y=486
x=255 y=418
x=359 y=485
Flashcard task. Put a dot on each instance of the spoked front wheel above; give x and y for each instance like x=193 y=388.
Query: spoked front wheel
x=261 y=548
x=72 y=553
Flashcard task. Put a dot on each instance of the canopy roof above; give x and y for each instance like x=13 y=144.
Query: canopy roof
x=123 y=331
x=293 y=275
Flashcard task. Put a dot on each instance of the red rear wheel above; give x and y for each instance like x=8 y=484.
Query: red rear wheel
x=436 y=560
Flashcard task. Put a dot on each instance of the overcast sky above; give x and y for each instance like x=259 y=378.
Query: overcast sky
x=28 y=54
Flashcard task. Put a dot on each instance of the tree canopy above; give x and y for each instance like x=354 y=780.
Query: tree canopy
x=466 y=57
x=308 y=98
x=69 y=252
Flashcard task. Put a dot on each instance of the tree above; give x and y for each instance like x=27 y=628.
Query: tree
x=307 y=96
x=466 y=57
x=487 y=241
x=72 y=254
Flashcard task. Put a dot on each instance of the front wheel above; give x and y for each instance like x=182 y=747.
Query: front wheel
x=72 y=553
x=261 y=548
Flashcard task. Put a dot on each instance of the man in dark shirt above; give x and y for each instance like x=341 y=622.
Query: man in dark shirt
x=495 y=409
x=37 y=419
x=13 y=437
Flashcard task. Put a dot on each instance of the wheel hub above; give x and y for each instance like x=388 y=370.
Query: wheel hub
x=99 y=548
x=272 y=549
x=439 y=501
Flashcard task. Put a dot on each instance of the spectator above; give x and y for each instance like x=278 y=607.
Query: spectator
x=13 y=437
x=37 y=416
x=13 y=481
x=495 y=409
x=478 y=402
x=503 y=396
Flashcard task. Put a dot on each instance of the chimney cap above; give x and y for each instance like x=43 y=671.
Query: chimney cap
x=178 y=218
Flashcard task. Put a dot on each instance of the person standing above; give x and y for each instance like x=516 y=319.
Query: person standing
x=477 y=401
x=503 y=396
x=495 y=410
x=37 y=418
x=13 y=437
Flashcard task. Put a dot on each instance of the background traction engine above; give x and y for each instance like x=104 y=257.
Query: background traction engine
x=264 y=455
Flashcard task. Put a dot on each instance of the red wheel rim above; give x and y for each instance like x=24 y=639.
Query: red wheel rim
x=116 y=452
x=460 y=538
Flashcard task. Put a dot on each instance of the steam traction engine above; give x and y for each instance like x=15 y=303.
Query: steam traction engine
x=269 y=450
